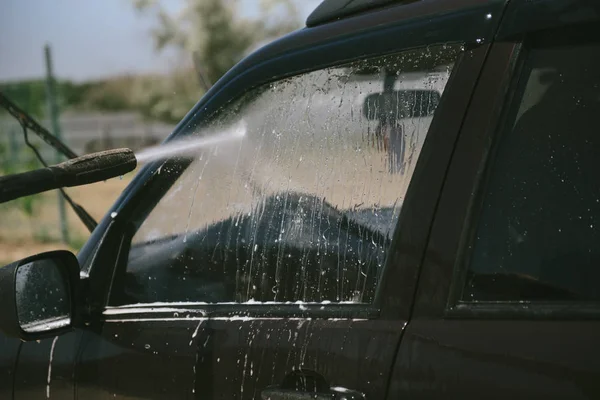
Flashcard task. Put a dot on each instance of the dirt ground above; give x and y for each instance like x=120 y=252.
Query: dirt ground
x=23 y=234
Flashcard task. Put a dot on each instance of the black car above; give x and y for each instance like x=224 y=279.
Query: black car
x=411 y=209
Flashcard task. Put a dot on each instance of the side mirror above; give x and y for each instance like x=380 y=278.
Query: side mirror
x=400 y=104
x=37 y=295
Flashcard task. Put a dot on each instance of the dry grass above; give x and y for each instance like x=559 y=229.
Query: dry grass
x=22 y=235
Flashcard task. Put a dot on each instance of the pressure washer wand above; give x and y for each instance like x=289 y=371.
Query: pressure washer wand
x=78 y=171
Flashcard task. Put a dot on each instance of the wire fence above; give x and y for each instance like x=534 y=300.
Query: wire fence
x=31 y=224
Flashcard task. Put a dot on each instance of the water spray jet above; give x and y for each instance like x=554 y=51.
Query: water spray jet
x=100 y=166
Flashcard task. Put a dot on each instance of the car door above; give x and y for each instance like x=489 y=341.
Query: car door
x=286 y=231
x=508 y=302
x=284 y=256
x=45 y=368
x=8 y=360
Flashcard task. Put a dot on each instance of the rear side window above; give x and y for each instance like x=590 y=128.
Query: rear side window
x=298 y=192
x=538 y=232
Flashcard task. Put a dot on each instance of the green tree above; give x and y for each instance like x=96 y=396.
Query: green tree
x=166 y=98
x=28 y=95
x=215 y=33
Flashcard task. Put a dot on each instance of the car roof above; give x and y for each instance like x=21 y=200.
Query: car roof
x=384 y=13
x=331 y=10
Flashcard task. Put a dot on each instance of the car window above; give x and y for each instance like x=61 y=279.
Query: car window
x=296 y=189
x=538 y=233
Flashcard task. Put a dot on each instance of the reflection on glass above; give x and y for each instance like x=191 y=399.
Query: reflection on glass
x=538 y=232
x=42 y=298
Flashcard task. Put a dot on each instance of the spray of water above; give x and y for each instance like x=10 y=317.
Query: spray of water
x=189 y=147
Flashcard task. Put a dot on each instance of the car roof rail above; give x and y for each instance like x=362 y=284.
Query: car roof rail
x=330 y=10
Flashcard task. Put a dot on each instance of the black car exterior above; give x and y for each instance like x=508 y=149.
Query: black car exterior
x=451 y=253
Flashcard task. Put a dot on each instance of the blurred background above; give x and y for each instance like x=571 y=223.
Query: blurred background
x=119 y=73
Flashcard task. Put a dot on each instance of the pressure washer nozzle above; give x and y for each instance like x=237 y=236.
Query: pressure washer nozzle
x=82 y=170
x=96 y=167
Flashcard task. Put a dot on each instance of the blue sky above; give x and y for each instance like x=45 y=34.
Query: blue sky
x=89 y=38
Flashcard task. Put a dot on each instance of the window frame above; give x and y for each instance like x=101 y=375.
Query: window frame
x=339 y=43
x=510 y=106
x=275 y=309
x=455 y=306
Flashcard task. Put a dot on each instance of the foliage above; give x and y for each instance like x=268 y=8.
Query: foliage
x=108 y=95
x=211 y=33
x=160 y=97
x=29 y=95
x=27 y=162
x=166 y=98
x=215 y=33
x=73 y=94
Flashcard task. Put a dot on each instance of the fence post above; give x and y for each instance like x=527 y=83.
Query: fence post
x=13 y=147
x=107 y=142
x=53 y=111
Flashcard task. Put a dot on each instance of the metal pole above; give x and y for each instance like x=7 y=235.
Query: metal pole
x=13 y=147
x=53 y=111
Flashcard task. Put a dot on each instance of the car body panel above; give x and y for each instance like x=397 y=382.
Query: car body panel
x=46 y=368
x=502 y=349
x=498 y=359
x=142 y=359
x=9 y=349
x=527 y=16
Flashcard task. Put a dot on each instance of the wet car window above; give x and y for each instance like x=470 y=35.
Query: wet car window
x=538 y=236
x=298 y=191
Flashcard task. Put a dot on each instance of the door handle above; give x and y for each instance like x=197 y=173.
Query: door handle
x=303 y=384
x=334 y=393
